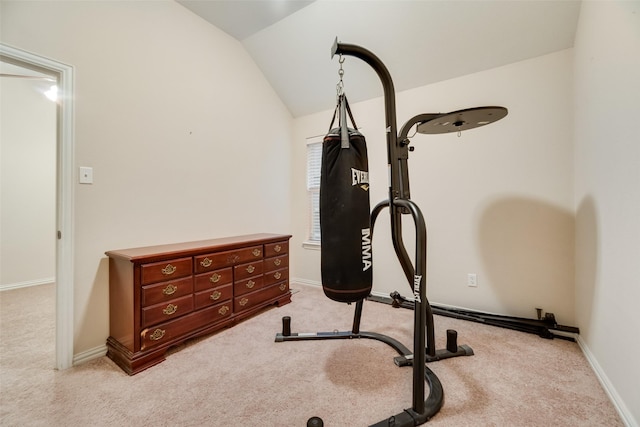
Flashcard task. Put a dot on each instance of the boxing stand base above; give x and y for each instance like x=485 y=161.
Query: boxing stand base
x=406 y=356
x=409 y=417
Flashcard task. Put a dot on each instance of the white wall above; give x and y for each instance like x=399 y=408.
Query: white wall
x=28 y=179
x=186 y=138
x=163 y=117
x=497 y=200
x=607 y=194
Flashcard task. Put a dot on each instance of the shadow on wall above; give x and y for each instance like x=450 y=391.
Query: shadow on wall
x=586 y=263
x=527 y=248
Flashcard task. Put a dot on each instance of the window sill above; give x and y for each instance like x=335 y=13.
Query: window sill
x=313 y=245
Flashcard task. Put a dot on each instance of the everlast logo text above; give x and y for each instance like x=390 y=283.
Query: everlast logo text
x=360 y=178
x=366 y=249
x=416 y=288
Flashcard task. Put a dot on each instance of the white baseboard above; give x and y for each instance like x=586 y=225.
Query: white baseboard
x=26 y=284
x=295 y=280
x=86 y=356
x=618 y=403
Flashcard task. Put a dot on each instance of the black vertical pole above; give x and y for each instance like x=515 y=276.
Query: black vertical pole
x=356 y=317
x=422 y=308
x=399 y=203
x=397 y=154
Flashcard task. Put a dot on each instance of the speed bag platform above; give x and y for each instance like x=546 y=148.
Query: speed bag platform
x=345 y=220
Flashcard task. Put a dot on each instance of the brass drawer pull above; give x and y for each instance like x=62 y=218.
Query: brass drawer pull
x=206 y=262
x=215 y=278
x=223 y=310
x=277 y=275
x=250 y=284
x=277 y=248
x=256 y=252
x=251 y=269
x=215 y=295
x=277 y=261
x=283 y=286
x=244 y=302
x=157 y=334
x=170 y=289
x=170 y=309
x=169 y=270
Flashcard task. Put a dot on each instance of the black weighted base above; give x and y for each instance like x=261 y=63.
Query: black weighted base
x=463 y=350
x=407 y=418
x=452 y=340
x=411 y=418
x=405 y=358
x=286 y=326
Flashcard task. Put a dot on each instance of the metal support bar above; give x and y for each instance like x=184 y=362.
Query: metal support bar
x=355 y=328
x=399 y=185
x=399 y=204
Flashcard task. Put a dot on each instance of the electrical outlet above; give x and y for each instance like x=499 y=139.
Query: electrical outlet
x=472 y=280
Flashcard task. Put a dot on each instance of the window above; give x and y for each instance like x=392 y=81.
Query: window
x=314 y=163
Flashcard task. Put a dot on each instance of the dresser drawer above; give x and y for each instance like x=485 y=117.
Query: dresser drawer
x=250 y=254
x=276 y=263
x=276 y=276
x=166 y=311
x=276 y=290
x=278 y=248
x=248 y=285
x=218 y=260
x=213 y=296
x=165 y=332
x=165 y=291
x=166 y=270
x=209 y=262
x=214 y=278
x=247 y=270
x=245 y=302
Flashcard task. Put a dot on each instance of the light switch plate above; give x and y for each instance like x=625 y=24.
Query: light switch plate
x=86 y=175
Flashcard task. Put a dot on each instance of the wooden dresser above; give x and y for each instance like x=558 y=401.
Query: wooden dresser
x=160 y=296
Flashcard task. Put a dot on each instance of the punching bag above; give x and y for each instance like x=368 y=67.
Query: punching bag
x=345 y=219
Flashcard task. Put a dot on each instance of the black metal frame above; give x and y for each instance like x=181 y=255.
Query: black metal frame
x=543 y=326
x=399 y=203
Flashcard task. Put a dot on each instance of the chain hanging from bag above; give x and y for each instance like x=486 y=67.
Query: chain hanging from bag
x=342 y=109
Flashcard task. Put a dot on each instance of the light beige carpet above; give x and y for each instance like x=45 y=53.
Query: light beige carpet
x=241 y=377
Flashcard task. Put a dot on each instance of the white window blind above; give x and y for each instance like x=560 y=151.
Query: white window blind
x=314 y=163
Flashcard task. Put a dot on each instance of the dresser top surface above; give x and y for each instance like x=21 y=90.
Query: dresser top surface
x=192 y=248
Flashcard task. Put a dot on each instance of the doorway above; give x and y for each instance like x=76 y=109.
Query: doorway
x=62 y=74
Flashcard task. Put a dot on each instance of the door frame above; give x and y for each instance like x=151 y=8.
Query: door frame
x=64 y=75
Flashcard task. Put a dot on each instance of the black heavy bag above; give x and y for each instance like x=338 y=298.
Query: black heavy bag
x=345 y=221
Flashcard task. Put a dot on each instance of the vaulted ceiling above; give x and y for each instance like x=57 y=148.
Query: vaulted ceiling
x=420 y=41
